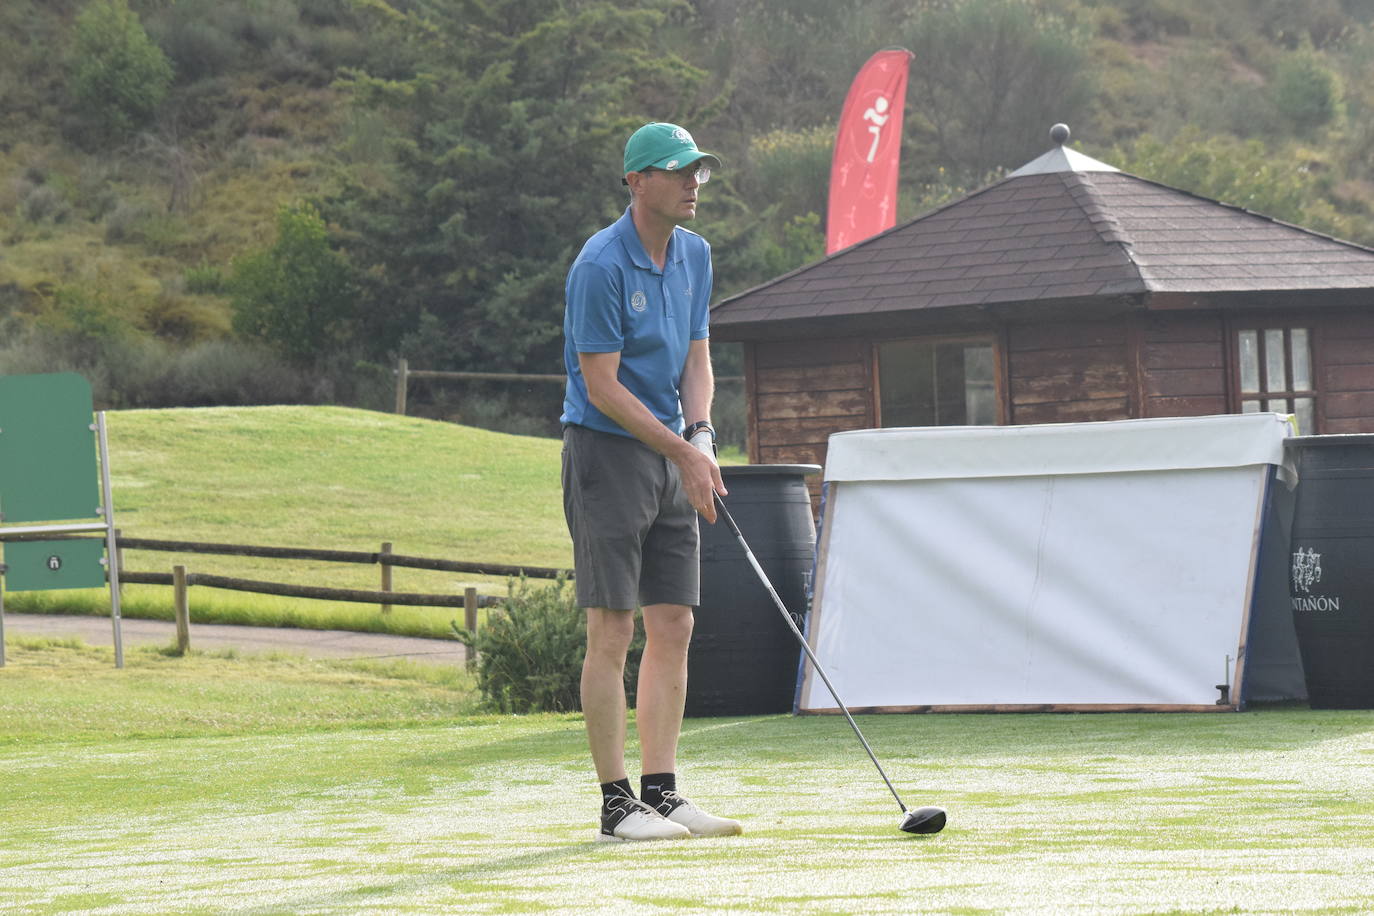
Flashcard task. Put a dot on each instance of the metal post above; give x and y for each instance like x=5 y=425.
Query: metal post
x=386 y=572
x=111 y=539
x=402 y=371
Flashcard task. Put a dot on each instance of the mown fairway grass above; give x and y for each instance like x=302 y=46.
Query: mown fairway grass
x=323 y=477
x=221 y=785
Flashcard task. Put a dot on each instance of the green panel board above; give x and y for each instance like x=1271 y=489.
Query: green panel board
x=38 y=565
x=47 y=449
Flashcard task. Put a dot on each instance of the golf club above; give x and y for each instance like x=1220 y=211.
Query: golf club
x=921 y=820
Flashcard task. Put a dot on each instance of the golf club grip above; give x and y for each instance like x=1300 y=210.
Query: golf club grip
x=801 y=639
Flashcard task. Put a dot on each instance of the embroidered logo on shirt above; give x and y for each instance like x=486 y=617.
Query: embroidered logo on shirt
x=638 y=301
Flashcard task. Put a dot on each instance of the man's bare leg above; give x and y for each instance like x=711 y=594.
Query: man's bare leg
x=662 y=690
x=609 y=633
x=662 y=696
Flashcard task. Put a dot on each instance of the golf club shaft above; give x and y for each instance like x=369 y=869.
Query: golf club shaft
x=801 y=639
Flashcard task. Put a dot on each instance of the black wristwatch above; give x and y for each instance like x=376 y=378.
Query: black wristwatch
x=699 y=425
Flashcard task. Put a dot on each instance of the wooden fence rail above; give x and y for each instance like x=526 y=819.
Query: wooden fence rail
x=181 y=580
x=362 y=596
x=404 y=374
x=345 y=556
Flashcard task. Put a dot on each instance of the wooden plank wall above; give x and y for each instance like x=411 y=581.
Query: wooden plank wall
x=1183 y=366
x=802 y=391
x=1067 y=372
x=1345 y=360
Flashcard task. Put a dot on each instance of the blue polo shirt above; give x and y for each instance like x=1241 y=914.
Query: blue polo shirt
x=618 y=300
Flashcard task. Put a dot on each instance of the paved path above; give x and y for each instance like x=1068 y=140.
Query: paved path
x=97 y=631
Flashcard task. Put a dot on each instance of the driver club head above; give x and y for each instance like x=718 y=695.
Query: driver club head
x=923 y=820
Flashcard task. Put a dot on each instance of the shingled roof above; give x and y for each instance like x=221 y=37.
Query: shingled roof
x=1064 y=228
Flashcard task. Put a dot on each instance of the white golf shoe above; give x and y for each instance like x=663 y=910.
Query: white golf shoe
x=624 y=819
x=680 y=811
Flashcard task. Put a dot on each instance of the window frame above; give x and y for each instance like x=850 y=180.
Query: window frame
x=990 y=339
x=1260 y=324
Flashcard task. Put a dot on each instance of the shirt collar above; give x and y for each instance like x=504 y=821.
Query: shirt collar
x=626 y=227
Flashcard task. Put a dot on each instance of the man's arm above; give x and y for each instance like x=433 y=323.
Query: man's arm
x=700 y=476
x=698 y=382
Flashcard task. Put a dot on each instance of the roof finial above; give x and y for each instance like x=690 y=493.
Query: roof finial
x=1059 y=133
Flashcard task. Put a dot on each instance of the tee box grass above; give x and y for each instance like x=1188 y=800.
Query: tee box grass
x=215 y=784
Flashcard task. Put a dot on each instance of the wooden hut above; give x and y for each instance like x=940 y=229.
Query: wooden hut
x=1067 y=291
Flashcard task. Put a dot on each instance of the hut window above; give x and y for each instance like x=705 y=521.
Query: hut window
x=1276 y=373
x=936 y=383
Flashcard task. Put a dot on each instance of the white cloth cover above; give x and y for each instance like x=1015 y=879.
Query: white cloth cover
x=1113 y=566
x=1172 y=443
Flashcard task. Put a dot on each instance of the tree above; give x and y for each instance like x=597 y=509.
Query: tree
x=514 y=117
x=991 y=76
x=297 y=296
x=119 y=77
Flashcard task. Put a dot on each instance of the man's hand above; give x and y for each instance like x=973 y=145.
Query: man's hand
x=703 y=438
x=702 y=481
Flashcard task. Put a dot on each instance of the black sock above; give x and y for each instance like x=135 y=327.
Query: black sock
x=653 y=785
x=619 y=788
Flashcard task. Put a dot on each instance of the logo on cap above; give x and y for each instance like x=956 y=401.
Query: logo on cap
x=681 y=134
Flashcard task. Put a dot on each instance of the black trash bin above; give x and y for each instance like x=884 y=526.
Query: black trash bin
x=743 y=658
x=1331 y=573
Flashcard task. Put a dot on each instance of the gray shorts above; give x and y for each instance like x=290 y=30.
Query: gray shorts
x=633 y=529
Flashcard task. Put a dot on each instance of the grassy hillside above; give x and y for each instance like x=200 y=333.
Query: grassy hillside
x=337 y=478
x=137 y=234
x=324 y=477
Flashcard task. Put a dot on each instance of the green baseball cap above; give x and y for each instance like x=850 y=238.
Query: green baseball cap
x=664 y=146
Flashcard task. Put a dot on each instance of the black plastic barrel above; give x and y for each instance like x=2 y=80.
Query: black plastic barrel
x=743 y=658
x=1331 y=571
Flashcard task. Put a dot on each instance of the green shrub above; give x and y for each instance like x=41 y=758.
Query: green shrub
x=297 y=296
x=205 y=278
x=530 y=653
x=229 y=373
x=1306 y=92
x=119 y=77
x=199 y=48
x=792 y=168
x=44 y=203
x=128 y=370
x=124 y=222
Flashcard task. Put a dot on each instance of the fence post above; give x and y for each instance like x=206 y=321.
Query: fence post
x=182 y=606
x=402 y=380
x=119 y=557
x=470 y=620
x=386 y=572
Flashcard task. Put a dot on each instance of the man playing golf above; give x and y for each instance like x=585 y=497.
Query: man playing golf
x=638 y=466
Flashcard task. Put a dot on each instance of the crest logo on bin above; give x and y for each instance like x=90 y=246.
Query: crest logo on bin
x=1307 y=570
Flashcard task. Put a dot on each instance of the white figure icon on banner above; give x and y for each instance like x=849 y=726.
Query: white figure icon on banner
x=878 y=115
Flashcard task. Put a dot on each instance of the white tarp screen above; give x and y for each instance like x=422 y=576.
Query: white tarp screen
x=1074 y=589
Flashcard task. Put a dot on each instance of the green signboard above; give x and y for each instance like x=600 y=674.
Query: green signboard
x=38 y=565
x=47 y=449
